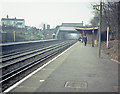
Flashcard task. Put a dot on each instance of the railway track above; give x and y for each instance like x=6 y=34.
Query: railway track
x=17 y=66
x=11 y=54
x=11 y=49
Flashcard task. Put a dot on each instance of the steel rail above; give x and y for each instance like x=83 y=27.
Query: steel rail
x=37 y=46
x=24 y=53
x=43 y=55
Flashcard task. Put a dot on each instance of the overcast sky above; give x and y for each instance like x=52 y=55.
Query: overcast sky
x=53 y=12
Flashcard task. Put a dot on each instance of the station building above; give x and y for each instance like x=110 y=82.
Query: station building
x=67 y=31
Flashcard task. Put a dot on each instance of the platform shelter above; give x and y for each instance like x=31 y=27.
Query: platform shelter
x=92 y=33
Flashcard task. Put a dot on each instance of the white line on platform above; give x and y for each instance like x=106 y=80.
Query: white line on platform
x=42 y=80
x=19 y=82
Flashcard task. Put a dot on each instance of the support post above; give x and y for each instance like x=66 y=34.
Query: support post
x=107 y=36
x=100 y=21
x=14 y=36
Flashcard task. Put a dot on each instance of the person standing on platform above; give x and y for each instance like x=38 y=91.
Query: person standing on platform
x=85 y=40
x=79 y=39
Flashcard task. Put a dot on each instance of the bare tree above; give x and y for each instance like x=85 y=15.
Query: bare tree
x=109 y=17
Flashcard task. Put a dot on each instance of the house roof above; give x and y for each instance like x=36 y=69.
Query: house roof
x=12 y=19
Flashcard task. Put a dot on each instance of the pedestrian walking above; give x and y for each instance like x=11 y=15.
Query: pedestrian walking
x=85 y=40
x=79 y=39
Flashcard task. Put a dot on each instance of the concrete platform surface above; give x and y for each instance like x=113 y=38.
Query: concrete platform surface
x=77 y=70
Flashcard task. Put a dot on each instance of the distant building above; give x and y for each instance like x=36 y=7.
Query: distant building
x=18 y=23
x=44 y=27
x=68 y=31
x=72 y=24
x=48 y=26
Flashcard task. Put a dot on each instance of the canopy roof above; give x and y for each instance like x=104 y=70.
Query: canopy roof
x=85 y=29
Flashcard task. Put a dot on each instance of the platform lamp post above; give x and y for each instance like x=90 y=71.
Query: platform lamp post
x=100 y=24
x=93 y=37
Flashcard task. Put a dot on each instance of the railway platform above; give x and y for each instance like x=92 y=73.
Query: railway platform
x=78 y=69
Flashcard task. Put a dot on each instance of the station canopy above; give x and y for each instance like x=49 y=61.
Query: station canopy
x=80 y=29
